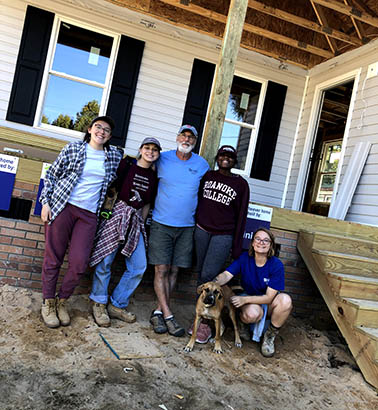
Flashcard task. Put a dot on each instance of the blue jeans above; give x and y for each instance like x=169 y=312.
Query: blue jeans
x=135 y=268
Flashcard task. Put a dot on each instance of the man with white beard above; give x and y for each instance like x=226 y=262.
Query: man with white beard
x=171 y=234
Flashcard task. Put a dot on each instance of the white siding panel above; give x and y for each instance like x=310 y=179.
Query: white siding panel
x=164 y=77
x=363 y=127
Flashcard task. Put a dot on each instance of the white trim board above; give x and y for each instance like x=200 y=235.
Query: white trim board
x=340 y=206
x=311 y=133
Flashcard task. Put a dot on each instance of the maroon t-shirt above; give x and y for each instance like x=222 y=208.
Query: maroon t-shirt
x=139 y=187
x=223 y=206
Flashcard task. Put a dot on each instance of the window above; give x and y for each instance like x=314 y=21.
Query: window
x=77 y=78
x=327 y=171
x=239 y=125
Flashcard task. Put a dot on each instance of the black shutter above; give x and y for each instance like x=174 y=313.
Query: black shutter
x=30 y=64
x=268 y=131
x=198 y=96
x=123 y=87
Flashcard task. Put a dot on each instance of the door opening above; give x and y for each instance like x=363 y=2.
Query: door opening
x=326 y=149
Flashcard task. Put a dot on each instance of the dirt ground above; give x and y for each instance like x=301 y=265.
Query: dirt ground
x=72 y=368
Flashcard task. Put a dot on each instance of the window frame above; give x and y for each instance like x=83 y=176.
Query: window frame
x=253 y=127
x=37 y=123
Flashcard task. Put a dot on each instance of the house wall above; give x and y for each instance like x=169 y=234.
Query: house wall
x=363 y=127
x=163 y=80
x=22 y=249
x=157 y=111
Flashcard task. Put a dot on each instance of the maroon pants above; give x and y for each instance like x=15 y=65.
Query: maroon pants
x=76 y=226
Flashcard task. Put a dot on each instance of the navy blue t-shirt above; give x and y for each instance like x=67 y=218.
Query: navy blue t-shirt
x=254 y=279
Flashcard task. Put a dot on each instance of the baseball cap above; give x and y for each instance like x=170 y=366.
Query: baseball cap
x=105 y=118
x=228 y=149
x=188 y=128
x=151 y=140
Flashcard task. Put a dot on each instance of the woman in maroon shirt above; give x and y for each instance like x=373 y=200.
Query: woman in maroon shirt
x=220 y=221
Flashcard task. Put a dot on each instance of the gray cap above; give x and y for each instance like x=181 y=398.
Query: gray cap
x=190 y=128
x=151 y=140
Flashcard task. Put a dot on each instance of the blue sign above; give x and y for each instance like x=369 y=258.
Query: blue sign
x=8 y=169
x=258 y=217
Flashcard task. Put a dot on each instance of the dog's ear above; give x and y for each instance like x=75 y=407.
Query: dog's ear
x=200 y=289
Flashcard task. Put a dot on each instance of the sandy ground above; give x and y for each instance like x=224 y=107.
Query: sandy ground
x=72 y=368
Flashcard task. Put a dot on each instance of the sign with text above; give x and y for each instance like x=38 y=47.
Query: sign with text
x=8 y=169
x=258 y=217
x=38 y=205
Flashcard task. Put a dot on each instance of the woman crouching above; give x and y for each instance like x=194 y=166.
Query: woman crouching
x=262 y=279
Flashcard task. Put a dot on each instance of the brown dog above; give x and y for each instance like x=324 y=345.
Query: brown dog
x=210 y=303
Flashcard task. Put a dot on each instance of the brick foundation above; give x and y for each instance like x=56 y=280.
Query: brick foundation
x=22 y=247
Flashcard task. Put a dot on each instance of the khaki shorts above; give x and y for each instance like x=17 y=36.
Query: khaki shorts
x=170 y=245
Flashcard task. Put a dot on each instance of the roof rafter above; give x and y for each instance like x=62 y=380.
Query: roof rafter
x=357 y=25
x=302 y=22
x=349 y=11
x=323 y=21
x=251 y=28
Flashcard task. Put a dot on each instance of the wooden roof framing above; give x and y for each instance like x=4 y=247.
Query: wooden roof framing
x=304 y=32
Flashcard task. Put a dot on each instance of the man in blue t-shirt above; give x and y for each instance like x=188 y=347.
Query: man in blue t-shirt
x=263 y=280
x=171 y=233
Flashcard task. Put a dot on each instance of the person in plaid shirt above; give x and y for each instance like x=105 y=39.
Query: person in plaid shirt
x=74 y=190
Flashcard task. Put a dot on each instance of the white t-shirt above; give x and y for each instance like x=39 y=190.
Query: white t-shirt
x=87 y=191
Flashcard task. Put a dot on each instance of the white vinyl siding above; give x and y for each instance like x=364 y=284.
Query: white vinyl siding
x=163 y=79
x=364 y=206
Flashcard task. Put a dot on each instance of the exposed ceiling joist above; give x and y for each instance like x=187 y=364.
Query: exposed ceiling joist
x=349 y=11
x=323 y=21
x=251 y=28
x=304 y=33
x=302 y=22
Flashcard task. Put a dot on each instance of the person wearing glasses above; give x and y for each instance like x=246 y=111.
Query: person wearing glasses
x=124 y=230
x=221 y=215
x=263 y=280
x=74 y=190
x=171 y=233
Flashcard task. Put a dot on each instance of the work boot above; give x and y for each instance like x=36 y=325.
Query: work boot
x=48 y=312
x=174 y=328
x=100 y=314
x=61 y=310
x=158 y=323
x=267 y=347
x=121 y=314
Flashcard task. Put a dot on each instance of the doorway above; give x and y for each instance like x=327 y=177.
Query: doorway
x=326 y=151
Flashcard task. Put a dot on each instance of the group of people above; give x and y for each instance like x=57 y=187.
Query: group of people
x=193 y=207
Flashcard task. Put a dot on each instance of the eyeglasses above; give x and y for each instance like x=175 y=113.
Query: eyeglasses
x=106 y=130
x=189 y=136
x=264 y=241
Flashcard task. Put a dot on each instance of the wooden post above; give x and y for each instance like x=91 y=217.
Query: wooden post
x=223 y=79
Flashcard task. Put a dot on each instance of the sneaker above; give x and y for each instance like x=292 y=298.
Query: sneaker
x=203 y=333
x=267 y=347
x=121 y=314
x=100 y=314
x=48 y=312
x=174 y=328
x=62 y=312
x=158 y=323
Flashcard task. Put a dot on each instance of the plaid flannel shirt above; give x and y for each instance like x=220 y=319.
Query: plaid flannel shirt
x=124 y=227
x=64 y=173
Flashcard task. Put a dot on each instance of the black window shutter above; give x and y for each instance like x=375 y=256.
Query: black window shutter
x=123 y=86
x=268 y=131
x=198 y=96
x=30 y=64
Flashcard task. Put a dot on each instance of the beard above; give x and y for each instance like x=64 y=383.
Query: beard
x=183 y=149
